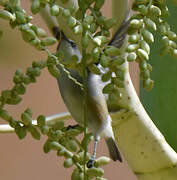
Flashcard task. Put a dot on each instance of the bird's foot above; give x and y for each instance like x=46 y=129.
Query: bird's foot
x=90 y=163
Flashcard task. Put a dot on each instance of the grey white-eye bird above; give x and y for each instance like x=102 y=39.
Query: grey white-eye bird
x=98 y=118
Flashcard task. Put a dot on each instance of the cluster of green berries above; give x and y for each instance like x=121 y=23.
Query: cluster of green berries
x=64 y=140
x=150 y=17
x=17 y=17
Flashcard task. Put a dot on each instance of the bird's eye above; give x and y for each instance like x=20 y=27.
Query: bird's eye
x=72 y=43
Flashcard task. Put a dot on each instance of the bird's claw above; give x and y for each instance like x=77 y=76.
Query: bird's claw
x=90 y=163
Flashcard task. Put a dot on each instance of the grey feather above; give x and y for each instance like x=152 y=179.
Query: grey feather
x=113 y=149
x=119 y=37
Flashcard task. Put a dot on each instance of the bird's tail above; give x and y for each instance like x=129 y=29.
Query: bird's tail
x=113 y=149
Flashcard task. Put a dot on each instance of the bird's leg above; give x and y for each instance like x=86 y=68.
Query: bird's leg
x=90 y=163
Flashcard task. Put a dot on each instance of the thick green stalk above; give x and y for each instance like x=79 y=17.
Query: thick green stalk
x=144 y=147
x=161 y=102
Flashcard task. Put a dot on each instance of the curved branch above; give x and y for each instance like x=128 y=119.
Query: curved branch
x=142 y=144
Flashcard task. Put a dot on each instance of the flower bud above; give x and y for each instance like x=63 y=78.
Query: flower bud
x=20 y=17
x=134 y=38
x=145 y=46
x=148 y=36
x=100 y=40
x=45 y=130
x=71 y=22
x=108 y=88
x=148 y=84
x=53 y=70
x=14 y=100
x=131 y=57
x=150 y=24
x=72 y=145
x=135 y=23
x=26 y=119
x=55 y=145
x=93 y=172
x=77 y=175
x=55 y=10
x=143 y=65
x=66 y=13
x=20 y=131
x=5 y=115
x=35 y=7
x=6 y=15
x=107 y=76
x=155 y=11
x=105 y=61
x=68 y=163
x=142 y=9
x=89 y=19
x=101 y=161
x=94 y=69
x=41 y=120
x=142 y=54
x=78 y=29
x=117 y=61
x=34 y=132
x=112 y=51
x=20 y=88
x=132 y=47
x=48 y=41
x=41 y=32
x=174 y=53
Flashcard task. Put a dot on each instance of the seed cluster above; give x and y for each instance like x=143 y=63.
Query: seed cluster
x=150 y=16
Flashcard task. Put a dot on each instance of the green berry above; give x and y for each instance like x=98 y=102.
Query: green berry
x=150 y=24
x=26 y=119
x=48 y=41
x=72 y=22
x=142 y=54
x=131 y=57
x=68 y=163
x=148 y=36
x=55 y=10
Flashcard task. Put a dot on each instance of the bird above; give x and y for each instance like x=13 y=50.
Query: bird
x=98 y=117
